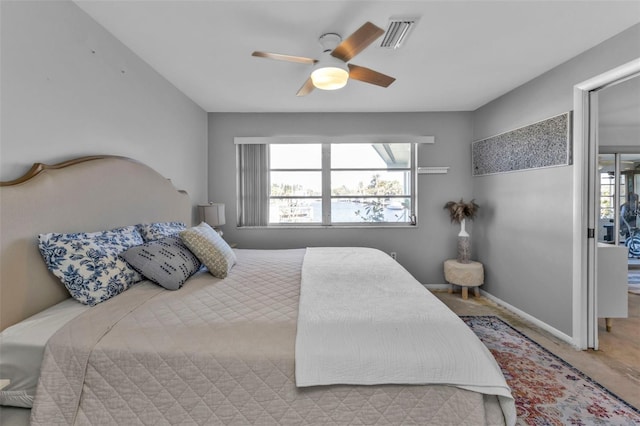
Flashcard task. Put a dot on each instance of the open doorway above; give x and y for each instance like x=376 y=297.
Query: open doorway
x=618 y=234
x=587 y=147
x=619 y=230
x=619 y=172
x=618 y=225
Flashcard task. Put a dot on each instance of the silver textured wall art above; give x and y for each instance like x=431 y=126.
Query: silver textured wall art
x=546 y=143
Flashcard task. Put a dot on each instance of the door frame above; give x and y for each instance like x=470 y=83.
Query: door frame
x=585 y=157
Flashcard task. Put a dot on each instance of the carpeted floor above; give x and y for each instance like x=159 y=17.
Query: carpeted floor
x=548 y=390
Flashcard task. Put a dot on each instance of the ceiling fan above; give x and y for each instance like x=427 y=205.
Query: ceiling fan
x=333 y=71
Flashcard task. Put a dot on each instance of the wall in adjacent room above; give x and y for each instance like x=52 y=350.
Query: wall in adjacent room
x=70 y=89
x=420 y=249
x=524 y=231
x=619 y=117
x=619 y=137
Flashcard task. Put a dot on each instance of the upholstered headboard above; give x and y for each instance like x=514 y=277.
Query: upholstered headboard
x=83 y=195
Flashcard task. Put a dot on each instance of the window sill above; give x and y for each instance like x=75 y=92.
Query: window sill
x=322 y=227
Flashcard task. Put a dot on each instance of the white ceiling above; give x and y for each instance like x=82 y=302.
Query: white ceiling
x=461 y=55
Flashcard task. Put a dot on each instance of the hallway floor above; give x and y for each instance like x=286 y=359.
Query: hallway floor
x=616 y=365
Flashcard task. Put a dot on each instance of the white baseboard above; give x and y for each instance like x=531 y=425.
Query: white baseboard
x=543 y=325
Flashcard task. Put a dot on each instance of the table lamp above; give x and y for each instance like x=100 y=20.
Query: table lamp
x=213 y=214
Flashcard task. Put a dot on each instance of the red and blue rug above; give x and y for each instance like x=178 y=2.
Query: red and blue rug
x=547 y=389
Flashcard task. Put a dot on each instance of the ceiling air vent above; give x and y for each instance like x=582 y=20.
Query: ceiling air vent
x=397 y=32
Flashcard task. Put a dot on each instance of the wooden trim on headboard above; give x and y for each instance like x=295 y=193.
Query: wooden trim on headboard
x=38 y=168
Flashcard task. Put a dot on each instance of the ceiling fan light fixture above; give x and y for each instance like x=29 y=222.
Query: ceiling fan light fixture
x=332 y=72
x=329 y=77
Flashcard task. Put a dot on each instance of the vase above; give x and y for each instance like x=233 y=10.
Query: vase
x=464 y=244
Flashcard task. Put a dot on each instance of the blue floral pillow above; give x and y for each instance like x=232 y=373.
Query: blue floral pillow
x=157 y=230
x=88 y=263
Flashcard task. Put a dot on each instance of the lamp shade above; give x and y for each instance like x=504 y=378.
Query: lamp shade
x=213 y=214
x=329 y=78
x=330 y=74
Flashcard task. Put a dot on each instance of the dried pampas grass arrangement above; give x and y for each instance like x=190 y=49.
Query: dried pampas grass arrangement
x=460 y=210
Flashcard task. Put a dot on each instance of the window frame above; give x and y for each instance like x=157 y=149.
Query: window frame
x=413 y=189
x=301 y=197
x=326 y=192
x=607 y=193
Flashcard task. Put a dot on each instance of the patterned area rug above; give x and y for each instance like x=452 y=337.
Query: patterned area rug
x=548 y=390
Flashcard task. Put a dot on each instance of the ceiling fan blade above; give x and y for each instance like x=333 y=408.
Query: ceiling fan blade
x=287 y=58
x=369 y=76
x=306 y=88
x=357 y=42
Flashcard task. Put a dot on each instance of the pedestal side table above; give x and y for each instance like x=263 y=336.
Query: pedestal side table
x=465 y=275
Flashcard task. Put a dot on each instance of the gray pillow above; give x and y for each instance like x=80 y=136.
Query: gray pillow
x=166 y=261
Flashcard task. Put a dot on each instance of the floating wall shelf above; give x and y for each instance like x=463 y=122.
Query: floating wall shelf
x=433 y=170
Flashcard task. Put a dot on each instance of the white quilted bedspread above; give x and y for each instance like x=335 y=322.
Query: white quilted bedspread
x=219 y=352
x=364 y=320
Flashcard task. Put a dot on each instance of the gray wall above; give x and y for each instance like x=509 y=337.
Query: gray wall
x=524 y=231
x=420 y=249
x=611 y=138
x=69 y=89
x=60 y=100
x=619 y=117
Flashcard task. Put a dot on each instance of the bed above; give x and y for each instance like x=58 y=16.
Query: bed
x=257 y=347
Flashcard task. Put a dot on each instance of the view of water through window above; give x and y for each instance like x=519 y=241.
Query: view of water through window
x=367 y=183
x=341 y=211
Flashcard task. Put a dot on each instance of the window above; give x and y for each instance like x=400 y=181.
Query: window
x=371 y=183
x=606 y=195
x=295 y=173
x=334 y=184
